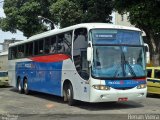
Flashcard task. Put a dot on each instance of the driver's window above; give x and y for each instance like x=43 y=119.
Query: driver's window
x=80 y=45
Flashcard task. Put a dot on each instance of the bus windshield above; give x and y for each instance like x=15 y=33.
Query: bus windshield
x=3 y=74
x=118 y=62
x=117 y=54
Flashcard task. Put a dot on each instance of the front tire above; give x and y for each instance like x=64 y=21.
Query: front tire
x=69 y=95
x=26 y=91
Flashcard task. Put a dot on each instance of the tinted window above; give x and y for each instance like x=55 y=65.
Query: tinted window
x=64 y=43
x=38 y=47
x=29 y=49
x=149 y=73
x=20 y=51
x=3 y=74
x=13 y=52
x=53 y=45
x=157 y=74
x=47 y=46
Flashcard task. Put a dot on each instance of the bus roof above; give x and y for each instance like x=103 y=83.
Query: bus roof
x=85 y=25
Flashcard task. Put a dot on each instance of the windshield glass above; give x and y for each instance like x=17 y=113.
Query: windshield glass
x=3 y=74
x=118 y=61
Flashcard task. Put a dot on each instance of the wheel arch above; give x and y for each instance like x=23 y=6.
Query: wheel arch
x=17 y=80
x=66 y=82
x=24 y=78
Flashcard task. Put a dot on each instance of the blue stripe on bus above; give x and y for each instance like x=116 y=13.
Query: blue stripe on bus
x=124 y=83
x=42 y=77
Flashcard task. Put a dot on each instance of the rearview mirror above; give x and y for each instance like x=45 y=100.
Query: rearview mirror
x=89 y=53
x=147 y=53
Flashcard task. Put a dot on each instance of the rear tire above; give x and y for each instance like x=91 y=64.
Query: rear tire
x=20 y=89
x=26 y=91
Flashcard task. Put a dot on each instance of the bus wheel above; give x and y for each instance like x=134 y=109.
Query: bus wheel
x=26 y=91
x=69 y=94
x=20 y=89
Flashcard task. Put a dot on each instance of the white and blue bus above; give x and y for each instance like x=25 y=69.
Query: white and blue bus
x=91 y=62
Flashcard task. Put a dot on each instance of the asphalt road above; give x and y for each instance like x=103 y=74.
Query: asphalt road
x=39 y=106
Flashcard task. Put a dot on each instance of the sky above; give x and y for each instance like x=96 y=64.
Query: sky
x=8 y=35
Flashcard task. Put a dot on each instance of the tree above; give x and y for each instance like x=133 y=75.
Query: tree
x=23 y=14
x=145 y=15
x=97 y=10
x=66 y=13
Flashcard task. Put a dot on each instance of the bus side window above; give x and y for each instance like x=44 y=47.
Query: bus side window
x=20 y=51
x=60 y=44
x=80 y=45
x=68 y=42
x=64 y=43
x=40 y=46
x=53 y=45
x=29 y=49
x=47 y=45
x=13 y=52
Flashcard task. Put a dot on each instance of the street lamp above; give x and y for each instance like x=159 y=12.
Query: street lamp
x=45 y=20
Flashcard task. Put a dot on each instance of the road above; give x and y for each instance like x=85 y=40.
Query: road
x=39 y=106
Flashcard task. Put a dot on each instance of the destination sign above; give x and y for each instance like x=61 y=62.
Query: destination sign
x=104 y=36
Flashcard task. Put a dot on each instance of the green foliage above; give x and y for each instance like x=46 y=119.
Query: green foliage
x=97 y=10
x=23 y=14
x=66 y=13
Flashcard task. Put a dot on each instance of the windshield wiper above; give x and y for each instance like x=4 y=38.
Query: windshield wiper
x=124 y=62
x=130 y=68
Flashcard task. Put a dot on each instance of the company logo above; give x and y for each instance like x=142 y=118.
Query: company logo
x=121 y=82
x=116 y=82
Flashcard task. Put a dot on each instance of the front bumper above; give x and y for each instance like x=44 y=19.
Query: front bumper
x=116 y=95
x=4 y=83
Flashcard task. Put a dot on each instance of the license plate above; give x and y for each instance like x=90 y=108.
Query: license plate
x=122 y=99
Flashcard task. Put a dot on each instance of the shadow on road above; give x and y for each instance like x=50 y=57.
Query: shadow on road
x=5 y=86
x=85 y=105
x=109 y=105
x=43 y=96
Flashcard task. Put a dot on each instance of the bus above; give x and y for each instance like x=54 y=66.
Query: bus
x=4 y=69
x=4 y=78
x=90 y=62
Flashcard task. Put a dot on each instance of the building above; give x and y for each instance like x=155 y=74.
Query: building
x=4 y=53
x=119 y=19
x=4 y=61
x=6 y=43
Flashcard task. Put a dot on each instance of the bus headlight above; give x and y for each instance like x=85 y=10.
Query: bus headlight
x=101 y=87
x=141 y=86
